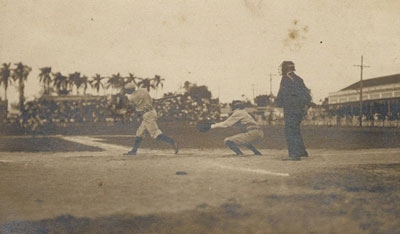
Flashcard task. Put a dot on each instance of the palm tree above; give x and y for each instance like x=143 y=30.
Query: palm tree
x=146 y=83
x=75 y=79
x=84 y=80
x=96 y=82
x=61 y=83
x=131 y=78
x=158 y=81
x=115 y=82
x=20 y=73
x=45 y=78
x=5 y=74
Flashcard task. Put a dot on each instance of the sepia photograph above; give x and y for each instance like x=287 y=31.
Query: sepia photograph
x=199 y=117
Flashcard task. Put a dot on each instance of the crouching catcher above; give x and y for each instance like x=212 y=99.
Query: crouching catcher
x=251 y=131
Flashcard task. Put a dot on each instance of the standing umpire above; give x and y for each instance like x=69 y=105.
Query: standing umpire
x=295 y=98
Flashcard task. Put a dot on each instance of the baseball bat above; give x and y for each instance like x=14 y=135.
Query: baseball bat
x=169 y=97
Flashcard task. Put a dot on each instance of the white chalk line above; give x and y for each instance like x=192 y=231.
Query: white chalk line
x=257 y=171
x=361 y=152
x=6 y=161
x=92 y=142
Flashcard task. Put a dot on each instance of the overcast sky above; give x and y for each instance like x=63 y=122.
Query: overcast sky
x=230 y=46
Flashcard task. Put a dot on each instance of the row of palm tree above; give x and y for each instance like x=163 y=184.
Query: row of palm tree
x=18 y=74
x=60 y=84
x=64 y=84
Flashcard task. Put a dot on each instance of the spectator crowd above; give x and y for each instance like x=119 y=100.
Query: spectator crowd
x=78 y=110
x=70 y=111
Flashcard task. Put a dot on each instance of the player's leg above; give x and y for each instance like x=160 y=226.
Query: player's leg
x=138 y=139
x=136 y=144
x=251 y=137
x=232 y=145
x=241 y=139
x=169 y=140
x=247 y=139
x=155 y=132
x=253 y=149
x=292 y=131
x=300 y=147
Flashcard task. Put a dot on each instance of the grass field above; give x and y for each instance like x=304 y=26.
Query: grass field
x=122 y=134
x=82 y=184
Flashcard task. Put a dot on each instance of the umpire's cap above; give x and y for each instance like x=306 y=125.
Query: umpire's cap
x=288 y=66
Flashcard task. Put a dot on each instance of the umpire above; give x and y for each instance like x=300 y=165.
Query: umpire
x=294 y=97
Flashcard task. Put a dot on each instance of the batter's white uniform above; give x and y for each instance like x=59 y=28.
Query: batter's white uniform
x=143 y=103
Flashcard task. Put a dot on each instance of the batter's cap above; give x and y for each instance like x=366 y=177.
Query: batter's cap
x=129 y=86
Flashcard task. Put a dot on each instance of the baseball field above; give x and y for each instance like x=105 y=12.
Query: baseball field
x=79 y=182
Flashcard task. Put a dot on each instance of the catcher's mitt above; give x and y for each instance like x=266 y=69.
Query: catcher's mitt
x=204 y=125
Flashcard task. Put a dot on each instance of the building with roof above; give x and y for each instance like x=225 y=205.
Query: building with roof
x=380 y=96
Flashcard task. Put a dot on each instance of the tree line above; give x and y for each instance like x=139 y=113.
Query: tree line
x=55 y=82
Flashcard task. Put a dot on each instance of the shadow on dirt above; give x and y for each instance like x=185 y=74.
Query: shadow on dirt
x=42 y=144
x=356 y=199
x=372 y=178
x=202 y=220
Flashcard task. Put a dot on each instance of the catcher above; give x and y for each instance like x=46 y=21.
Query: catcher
x=251 y=131
x=143 y=104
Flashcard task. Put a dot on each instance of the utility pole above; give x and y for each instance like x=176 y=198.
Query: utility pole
x=252 y=85
x=270 y=83
x=361 y=87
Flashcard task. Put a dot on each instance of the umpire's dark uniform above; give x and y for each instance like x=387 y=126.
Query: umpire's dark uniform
x=294 y=97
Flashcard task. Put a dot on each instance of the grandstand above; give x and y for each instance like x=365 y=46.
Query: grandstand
x=381 y=97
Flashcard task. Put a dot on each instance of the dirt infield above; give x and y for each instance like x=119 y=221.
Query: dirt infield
x=82 y=184
x=198 y=191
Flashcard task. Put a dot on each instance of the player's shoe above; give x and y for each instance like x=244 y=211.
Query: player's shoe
x=129 y=153
x=291 y=159
x=305 y=155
